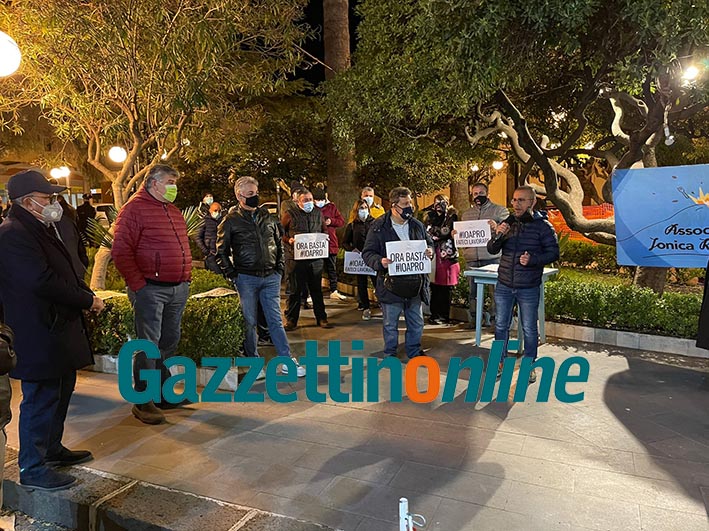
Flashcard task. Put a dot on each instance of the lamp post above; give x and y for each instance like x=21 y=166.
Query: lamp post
x=10 y=56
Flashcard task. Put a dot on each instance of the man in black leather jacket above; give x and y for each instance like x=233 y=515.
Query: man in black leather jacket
x=528 y=242
x=250 y=253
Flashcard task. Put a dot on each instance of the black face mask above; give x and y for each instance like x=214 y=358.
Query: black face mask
x=251 y=202
x=440 y=207
x=480 y=200
x=407 y=213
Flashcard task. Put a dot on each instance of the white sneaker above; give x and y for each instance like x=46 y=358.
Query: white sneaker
x=300 y=370
x=337 y=296
x=261 y=375
x=366 y=315
x=310 y=300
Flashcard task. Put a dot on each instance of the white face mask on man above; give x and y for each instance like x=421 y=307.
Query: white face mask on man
x=51 y=213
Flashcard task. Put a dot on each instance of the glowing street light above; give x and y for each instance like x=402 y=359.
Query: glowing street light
x=10 y=56
x=117 y=154
x=61 y=172
x=475 y=168
x=498 y=164
x=691 y=73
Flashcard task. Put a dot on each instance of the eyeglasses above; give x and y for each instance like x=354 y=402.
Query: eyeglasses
x=50 y=198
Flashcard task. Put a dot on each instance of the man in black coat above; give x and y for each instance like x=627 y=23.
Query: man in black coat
x=398 y=224
x=43 y=298
x=207 y=238
x=528 y=242
x=84 y=212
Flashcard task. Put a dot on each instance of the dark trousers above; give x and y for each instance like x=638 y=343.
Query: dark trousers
x=331 y=268
x=158 y=317
x=362 y=292
x=441 y=301
x=305 y=273
x=210 y=262
x=42 y=414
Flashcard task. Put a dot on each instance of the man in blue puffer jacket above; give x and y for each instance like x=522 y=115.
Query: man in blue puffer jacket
x=528 y=242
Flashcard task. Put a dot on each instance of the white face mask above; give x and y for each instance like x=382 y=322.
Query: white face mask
x=208 y=200
x=319 y=204
x=51 y=213
x=363 y=213
x=216 y=215
x=369 y=200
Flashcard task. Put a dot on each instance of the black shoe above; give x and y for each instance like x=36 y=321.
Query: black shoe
x=434 y=321
x=170 y=405
x=265 y=342
x=290 y=325
x=324 y=324
x=305 y=305
x=48 y=480
x=361 y=308
x=421 y=353
x=69 y=457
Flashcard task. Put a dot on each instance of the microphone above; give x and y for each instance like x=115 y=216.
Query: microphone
x=510 y=219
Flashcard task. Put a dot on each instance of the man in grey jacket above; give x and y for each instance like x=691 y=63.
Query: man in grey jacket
x=481 y=208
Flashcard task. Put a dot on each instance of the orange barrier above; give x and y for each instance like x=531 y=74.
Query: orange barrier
x=602 y=211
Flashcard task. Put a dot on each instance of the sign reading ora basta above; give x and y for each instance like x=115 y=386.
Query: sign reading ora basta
x=310 y=245
x=408 y=257
x=662 y=216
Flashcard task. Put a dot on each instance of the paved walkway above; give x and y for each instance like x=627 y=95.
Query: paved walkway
x=633 y=455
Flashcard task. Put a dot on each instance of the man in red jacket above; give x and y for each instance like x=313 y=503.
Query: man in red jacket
x=152 y=252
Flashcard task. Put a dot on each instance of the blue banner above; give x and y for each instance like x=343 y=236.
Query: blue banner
x=662 y=216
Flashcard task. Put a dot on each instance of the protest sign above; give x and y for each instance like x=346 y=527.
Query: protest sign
x=310 y=245
x=474 y=233
x=408 y=257
x=354 y=265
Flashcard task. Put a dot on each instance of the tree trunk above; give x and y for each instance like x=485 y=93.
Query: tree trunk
x=343 y=189
x=459 y=196
x=98 y=273
x=650 y=277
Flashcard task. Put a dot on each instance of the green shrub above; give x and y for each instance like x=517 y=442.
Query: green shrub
x=622 y=307
x=585 y=255
x=204 y=280
x=211 y=327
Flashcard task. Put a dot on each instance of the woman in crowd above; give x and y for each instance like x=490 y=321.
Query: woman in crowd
x=355 y=236
x=439 y=224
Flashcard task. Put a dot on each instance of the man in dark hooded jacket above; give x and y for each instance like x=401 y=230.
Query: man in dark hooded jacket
x=528 y=242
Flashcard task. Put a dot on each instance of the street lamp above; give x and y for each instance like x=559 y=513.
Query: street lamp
x=10 y=55
x=498 y=164
x=691 y=73
x=117 y=154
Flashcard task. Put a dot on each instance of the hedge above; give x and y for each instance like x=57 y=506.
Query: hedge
x=622 y=308
x=211 y=326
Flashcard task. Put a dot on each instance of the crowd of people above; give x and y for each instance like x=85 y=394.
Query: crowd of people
x=44 y=296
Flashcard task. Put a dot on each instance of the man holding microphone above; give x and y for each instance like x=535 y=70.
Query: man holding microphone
x=528 y=242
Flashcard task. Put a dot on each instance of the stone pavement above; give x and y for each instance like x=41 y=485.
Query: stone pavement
x=634 y=454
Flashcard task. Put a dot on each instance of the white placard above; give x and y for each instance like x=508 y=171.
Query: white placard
x=408 y=258
x=472 y=233
x=354 y=265
x=310 y=245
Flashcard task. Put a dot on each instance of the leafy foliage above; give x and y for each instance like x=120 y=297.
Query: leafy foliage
x=622 y=307
x=154 y=77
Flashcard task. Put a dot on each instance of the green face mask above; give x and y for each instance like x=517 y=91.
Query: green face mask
x=170 y=192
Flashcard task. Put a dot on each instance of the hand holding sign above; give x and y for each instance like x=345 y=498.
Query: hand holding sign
x=310 y=246
x=471 y=233
x=407 y=257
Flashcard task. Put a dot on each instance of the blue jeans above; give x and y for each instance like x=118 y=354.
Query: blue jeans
x=158 y=317
x=42 y=414
x=267 y=291
x=413 y=316
x=527 y=300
